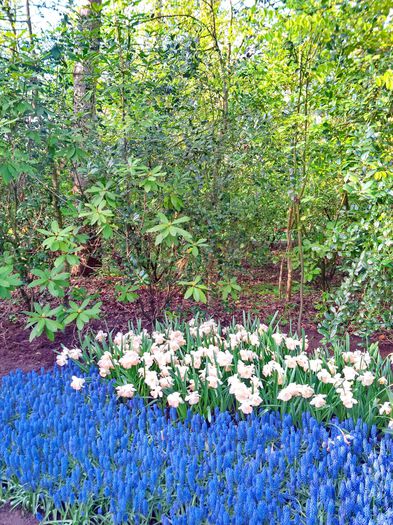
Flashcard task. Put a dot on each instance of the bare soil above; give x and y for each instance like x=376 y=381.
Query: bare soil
x=259 y=298
x=9 y=516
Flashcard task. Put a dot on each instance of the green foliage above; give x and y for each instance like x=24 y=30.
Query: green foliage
x=229 y=288
x=127 y=293
x=194 y=247
x=150 y=180
x=9 y=281
x=80 y=314
x=54 y=280
x=365 y=295
x=168 y=232
x=201 y=137
x=58 y=239
x=98 y=215
x=102 y=191
x=43 y=319
x=195 y=289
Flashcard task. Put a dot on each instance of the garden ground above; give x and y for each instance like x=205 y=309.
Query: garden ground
x=10 y=516
x=259 y=297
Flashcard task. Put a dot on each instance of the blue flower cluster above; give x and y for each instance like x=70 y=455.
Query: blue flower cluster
x=90 y=455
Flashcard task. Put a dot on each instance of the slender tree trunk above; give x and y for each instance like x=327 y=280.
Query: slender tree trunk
x=280 y=277
x=289 y=254
x=56 y=193
x=84 y=81
x=301 y=261
x=85 y=114
x=28 y=20
x=323 y=275
x=298 y=201
x=218 y=182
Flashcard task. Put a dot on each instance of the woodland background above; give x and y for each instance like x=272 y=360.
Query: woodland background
x=168 y=157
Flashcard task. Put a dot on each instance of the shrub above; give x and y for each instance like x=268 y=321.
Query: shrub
x=86 y=458
x=201 y=366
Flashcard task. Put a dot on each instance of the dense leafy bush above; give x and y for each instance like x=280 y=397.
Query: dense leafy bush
x=363 y=237
x=266 y=125
x=202 y=366
x=87 y=458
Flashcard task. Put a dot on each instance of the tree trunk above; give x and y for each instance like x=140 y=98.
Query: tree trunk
x=28 y=20
x=280 y=277
x=289 y=254
x=301 y=260
x=84 y=77
x=85 y=114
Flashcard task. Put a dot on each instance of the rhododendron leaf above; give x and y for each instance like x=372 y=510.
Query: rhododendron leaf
x=181 y=220
x=163 y=218
x=157 y=228
x=52 y=325
x=188 y=293
x=183 y=233
x=55 y=226
x=37 y=330
x=70 y=318
x=49 y=333
x=107 y=232
x=161 y=237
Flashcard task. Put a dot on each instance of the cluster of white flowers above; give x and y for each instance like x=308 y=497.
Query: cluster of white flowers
x=247 y=396
x=295 y=390
x=75 y=354
x=101 y=336
x=203 y=363
x=125 y=391
x=68 y=353
x=359 y=360
x=385 y=408
x=77 y=383
x=106 y=364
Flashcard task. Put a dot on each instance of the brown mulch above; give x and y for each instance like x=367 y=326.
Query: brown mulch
x=9 y=516
x=258 y=299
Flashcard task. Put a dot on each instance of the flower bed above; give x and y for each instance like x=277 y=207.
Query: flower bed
x=85 y=457
x=202 y=366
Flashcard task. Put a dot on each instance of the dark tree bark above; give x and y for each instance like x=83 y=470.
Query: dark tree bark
x=28 y=20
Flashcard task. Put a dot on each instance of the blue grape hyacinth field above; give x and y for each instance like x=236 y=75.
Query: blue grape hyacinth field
x=87 y=458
